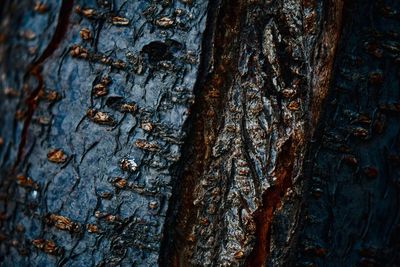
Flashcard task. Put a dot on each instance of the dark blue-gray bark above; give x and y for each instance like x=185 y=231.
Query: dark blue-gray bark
x=349 y=212
x=103 y=160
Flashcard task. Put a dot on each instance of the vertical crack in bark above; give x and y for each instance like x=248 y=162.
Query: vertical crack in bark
x=272 y=198
x=35 y=70
x=216 y=74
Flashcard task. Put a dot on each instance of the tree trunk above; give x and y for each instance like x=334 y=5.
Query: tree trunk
x=200 y=133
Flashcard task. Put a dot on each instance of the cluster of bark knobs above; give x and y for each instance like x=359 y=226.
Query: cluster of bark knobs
x=200 y=133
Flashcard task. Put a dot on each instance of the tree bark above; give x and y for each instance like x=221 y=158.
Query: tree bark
x=200 y=133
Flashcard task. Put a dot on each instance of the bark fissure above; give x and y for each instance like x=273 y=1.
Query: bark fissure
x=272 y=199
x=35 y=70
x=217 y=69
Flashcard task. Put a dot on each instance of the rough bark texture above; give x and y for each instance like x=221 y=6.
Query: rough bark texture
x=98 y=126
x=189 y=133
x=270 y=65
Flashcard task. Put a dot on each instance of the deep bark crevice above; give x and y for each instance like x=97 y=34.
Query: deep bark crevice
x=272 y=199
x=216 y=75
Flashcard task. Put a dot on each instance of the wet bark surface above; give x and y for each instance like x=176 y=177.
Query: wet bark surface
x=97 y=93
x=199 y=133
